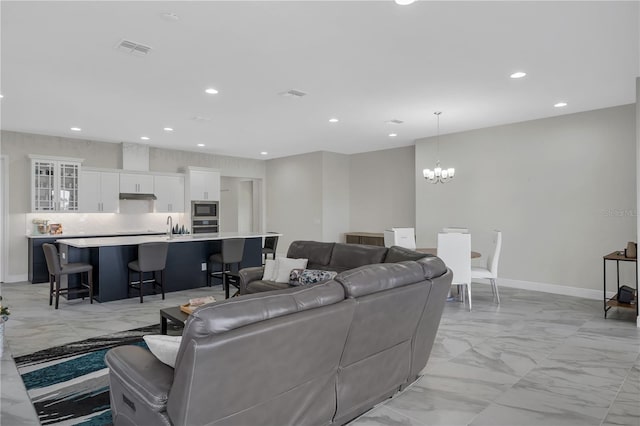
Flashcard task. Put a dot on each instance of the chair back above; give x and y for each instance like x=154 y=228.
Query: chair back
x=493 y=258
x=271 y=243
x=455 y=229
x=401 y=237
x=455 y=251
x=53 y=260
x=232 y=250
x=152 y=256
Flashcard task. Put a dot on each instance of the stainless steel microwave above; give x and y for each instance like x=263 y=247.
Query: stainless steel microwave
x=208 y=209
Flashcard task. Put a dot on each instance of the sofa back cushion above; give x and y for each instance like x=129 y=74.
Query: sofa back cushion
x=318 y=253
x=400 y=254
x=349 y=256
x=238 y=312
x=278 y=370
x=390 y=300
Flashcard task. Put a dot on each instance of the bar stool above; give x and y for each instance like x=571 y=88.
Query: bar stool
x=57 y=270
x=230 y=255
x=152 y=257
x=270 y=244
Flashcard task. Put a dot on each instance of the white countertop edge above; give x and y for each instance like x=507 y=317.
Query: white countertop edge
x=140 y=239
x=96 y=234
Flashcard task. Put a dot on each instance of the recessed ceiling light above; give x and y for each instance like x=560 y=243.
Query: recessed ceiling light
x=404 y=2
x=144 y=138
x=1 y=96
x=211 y=91
x=76 y=129
x=263 y=153
x=333 y=120
x=168 y=129
x=393 y=135
x=560 y=104
x=518 y=74
x=200 y=144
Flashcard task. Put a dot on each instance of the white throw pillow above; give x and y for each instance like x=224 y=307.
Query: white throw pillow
x=285 y=266
x=165 y=348
x=269 y=270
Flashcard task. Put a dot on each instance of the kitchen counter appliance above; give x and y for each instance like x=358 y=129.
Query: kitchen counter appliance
x=204 y=217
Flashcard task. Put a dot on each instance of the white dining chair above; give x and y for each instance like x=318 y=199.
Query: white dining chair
x=455 y=251
x=490 y=272
x=402 y=237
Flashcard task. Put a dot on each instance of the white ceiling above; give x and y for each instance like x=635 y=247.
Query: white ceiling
x=364 y=62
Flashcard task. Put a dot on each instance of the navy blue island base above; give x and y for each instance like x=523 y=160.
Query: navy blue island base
x=183 y=270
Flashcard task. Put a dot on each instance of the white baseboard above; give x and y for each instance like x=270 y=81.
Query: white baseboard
x=584 y=293
x=16 y=278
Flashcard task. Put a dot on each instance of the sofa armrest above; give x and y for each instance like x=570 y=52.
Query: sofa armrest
x=142 y=374
x=248 y=275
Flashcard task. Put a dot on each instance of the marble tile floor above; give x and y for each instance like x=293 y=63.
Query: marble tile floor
x=538 y=359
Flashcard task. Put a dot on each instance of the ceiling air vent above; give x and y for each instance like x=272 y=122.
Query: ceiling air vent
x=394 y=121
x=134 y=48
x=293 y=93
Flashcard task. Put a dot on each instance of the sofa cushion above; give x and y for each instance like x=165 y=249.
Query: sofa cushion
x=400 y=254
x=310 y=276
x=349 y=256
x=264 y=285
x=270 y=270
x=284 y=266
x=318 y=253
x=165 y=348
x=432 y=266
x=237 y=312
x=375 y=278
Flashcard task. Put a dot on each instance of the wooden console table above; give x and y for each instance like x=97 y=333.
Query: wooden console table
x=370 y=238
x=618 y=256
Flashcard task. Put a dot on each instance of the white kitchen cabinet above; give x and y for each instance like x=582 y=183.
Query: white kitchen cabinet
x=204 y=185
x=136 y=183
x=54 y=184
x=169 y=191
x=99 y=192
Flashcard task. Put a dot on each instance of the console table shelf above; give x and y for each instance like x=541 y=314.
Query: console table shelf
x=611 y=302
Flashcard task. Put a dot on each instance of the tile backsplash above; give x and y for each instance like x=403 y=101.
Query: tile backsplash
x=134 y=216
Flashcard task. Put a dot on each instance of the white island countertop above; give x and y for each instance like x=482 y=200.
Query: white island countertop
x=96 y=234
x=140 y=239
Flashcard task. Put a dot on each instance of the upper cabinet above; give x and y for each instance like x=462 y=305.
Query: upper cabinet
x=136 y=183
x=169 y=191
x=99 y=192
x=54 y=184
x=204 y=185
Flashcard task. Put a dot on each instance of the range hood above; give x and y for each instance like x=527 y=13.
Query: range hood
x=136 y=196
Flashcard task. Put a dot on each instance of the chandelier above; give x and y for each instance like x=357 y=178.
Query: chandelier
x=438 y=175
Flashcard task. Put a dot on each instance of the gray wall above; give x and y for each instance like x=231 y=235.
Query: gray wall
x=382 y=190
x=335 y=196
x=562 y=190
x=294 y=198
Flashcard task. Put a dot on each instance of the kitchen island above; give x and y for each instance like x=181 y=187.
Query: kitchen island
x=185 y=267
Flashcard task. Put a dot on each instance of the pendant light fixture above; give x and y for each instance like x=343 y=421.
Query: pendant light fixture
x=438 y=175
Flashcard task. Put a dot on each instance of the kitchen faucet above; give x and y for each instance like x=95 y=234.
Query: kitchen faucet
x=170 y=223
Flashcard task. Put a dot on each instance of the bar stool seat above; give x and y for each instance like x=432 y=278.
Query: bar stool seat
x=230 y=258
x=57 y=270
x=152 y=257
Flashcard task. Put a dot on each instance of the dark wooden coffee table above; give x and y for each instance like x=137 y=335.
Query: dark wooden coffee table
x=173 y=314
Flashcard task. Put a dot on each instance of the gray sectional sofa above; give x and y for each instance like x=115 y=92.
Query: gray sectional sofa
x=336 y=257
x=319 y=354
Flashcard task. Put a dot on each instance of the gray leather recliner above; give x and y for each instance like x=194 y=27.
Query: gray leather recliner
x=318 y=354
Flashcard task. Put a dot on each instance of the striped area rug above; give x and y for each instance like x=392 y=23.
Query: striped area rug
x=69 y=384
